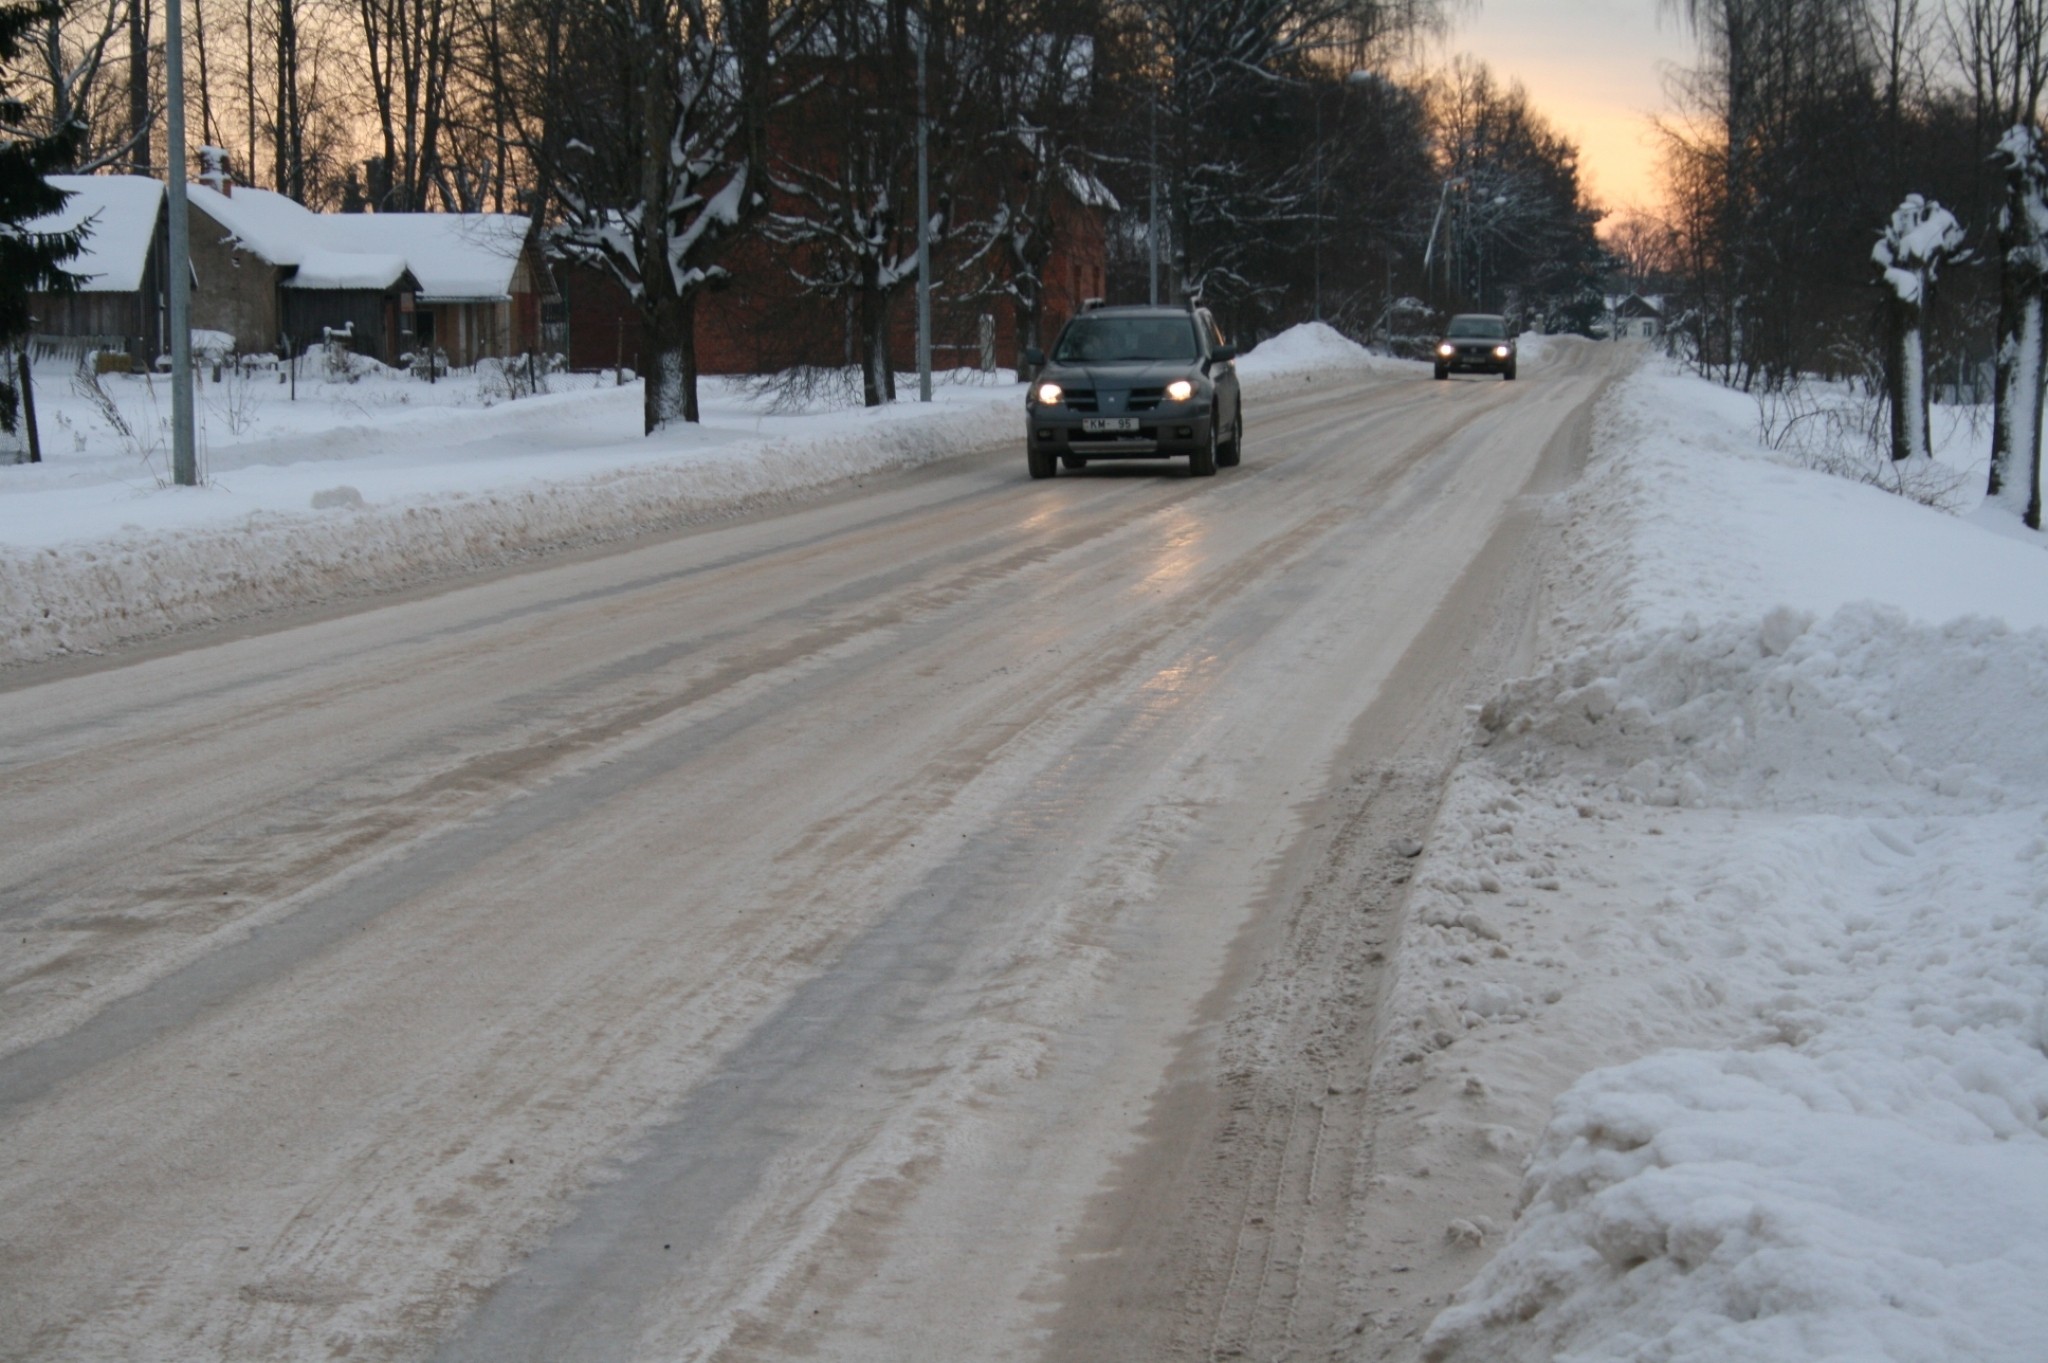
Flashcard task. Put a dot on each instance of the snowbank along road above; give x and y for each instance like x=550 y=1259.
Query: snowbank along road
x=943 y=921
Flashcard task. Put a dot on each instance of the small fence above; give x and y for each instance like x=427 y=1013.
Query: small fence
x=44 y=348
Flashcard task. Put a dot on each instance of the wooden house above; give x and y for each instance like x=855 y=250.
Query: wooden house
x=1637 y=318
x=119 y=303
x=272 y=273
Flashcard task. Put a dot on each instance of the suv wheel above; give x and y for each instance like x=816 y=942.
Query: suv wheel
x=1042 y=462
x=1228 y=455
x=1202 y=463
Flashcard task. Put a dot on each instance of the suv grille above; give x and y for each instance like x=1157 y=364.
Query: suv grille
x=1136 y=401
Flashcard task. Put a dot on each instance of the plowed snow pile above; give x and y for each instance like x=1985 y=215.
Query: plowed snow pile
x=1778 y=858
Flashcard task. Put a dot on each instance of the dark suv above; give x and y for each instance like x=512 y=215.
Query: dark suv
x=1476 y=343
x=1135 y=383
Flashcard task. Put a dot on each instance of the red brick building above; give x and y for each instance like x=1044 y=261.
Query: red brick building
x=763 y=321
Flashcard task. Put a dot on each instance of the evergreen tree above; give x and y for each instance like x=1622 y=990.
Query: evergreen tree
x=28 y=260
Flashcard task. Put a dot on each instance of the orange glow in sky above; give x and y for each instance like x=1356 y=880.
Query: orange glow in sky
x=1595 y=69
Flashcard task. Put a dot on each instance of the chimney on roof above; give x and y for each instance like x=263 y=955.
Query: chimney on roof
x=213 y=170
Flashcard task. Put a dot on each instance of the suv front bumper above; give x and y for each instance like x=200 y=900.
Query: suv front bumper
x=1475 y=360
x=1165 y=435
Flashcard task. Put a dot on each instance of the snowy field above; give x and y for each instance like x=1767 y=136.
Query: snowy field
x=1753 y=872
x=1721 y=1015
x=376 y=480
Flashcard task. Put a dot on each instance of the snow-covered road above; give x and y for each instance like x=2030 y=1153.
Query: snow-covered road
x=941 y=921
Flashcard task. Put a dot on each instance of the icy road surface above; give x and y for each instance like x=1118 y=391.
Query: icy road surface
x=941 y=922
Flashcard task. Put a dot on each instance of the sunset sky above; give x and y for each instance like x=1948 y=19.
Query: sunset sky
x=1595 y=69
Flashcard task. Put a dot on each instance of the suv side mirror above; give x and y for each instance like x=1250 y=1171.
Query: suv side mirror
x=1223 y=354
x=1034 y=357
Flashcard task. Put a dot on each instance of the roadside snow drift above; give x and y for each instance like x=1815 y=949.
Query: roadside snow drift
x=1784 y=868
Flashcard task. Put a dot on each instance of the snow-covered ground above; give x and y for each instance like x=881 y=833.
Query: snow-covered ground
x=1752 y=871
x=1731 y=944
x=357 y=483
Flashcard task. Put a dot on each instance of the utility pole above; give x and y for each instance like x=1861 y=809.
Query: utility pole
x=184 y=466
x=1152 y=218
x=924 y=227
x=1318 y=306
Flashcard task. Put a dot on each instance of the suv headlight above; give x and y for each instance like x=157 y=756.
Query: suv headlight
x=1180 y=390
x=1447 y=350
x=1501 y=352
x=1049 y=394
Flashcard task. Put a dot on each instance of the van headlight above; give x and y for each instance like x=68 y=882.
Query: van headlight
x=1180 y=390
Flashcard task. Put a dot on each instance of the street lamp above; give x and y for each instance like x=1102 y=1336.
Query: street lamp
x=1442 y=199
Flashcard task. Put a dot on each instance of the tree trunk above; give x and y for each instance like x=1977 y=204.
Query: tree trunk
x=2016 y=449
x=2015 y=478
x=1905 y=380
x=138 y=86
x=1028 y=288
x=878 y=378
x=668 y=349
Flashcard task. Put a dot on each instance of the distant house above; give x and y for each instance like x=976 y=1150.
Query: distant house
x=271 y=270
x=268 y=271
x=119 y=303
x=1637 y=318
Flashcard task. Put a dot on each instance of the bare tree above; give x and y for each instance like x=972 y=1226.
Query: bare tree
x=409 y=54
x=848 y=214
x=1030 y=71
x=71 y=78
x=1644 y=247
x=653 y=142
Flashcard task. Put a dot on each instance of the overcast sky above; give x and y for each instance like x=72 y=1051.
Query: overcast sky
x=1595 y=69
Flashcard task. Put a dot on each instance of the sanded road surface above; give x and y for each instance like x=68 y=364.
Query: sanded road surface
x=939 y=921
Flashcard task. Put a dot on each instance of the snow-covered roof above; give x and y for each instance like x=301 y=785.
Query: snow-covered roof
x=119 y=213
x=1090 y=192
x=452 y=256
x=323 y=269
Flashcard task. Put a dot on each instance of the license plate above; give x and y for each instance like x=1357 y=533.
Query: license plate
x=1109 y=425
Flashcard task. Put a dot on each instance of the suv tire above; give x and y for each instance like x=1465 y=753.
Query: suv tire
x=1202 y=462
x=1043 y=463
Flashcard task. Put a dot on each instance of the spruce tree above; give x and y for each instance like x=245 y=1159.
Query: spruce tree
x=28 y=260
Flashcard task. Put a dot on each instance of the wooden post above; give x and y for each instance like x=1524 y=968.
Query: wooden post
x=28 y=410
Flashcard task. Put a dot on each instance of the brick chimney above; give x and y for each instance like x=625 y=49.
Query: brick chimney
x=213 y=171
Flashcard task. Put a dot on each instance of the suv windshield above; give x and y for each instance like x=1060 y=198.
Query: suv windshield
x=1109 y=339
x=1489 y=328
